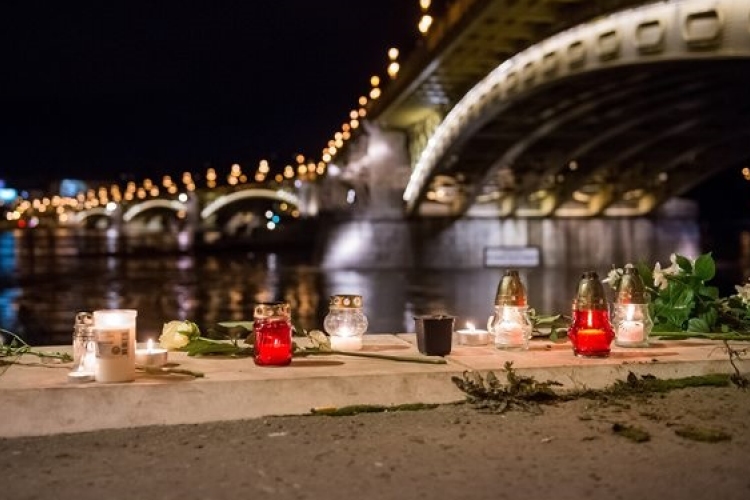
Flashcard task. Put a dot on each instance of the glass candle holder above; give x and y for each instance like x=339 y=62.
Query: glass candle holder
x=510 y=324
x=273 y=334
x=630 y=315
x=84 y=349
x=591 y=331
x=114 y=330
x=345 y=322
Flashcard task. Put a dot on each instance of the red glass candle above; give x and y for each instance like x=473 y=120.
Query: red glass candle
x=273 y=334
x=591 y=332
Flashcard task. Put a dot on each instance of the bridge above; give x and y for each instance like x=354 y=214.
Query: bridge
x=566 y=108
x=511 y=110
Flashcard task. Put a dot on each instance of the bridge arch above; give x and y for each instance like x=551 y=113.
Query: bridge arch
x=82 y=216
x=138 y=208
x=271 y=194
x=662 y=33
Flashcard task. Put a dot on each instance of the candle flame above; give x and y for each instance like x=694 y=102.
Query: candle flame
x=470 y=326
x=590 y=322
x=630 y=312
x=150 y=345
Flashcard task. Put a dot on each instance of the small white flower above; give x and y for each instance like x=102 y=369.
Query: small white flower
x=613 y=277
x=177 y=334
x=744 y=293
x=660 y=280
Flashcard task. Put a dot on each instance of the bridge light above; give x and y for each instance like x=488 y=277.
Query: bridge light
x=183 y=197
x=337 y=136
x=326 y=157
x=425 y=4
x=573 y=165
x=154 y=191
x=424 y=24
x=393 y=53
x=393 y=69
x=269 y=214
x=332 y=150
x=374 y=93
x=276 y=219
x=362 y=101
x=302 y=169
x=111 y=206
x=236 y=170
x=375 y=80
x=353 y=114
x=211 y=175
x=345 y=127
x=746 y=173
x=231 y=180
x=271 y=225
x=263 y=168
x=346 y=136
x=663 y=177
x=128 y=196
x=339 y=143
x=300 y=158
x=283 y=207
x=351 y=196
x=279 y=178
x=141 y=193
x=354 y=123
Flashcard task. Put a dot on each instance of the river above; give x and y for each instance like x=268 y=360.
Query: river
x=42 y=287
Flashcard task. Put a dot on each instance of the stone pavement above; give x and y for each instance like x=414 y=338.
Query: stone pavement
x=37 y=399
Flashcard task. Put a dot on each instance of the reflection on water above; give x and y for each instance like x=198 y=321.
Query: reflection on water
x=40 y=290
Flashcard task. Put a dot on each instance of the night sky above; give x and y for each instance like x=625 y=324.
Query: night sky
x=107 y=90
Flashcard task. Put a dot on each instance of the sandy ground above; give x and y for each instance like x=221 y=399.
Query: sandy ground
x=568 y=452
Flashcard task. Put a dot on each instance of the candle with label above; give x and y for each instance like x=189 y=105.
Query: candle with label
x=114 y=333
x=151 y=357
x=472 y=336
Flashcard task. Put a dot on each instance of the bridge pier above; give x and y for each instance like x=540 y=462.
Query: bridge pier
x=441 y=243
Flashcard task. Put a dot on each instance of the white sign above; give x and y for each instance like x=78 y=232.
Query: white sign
x=512 y=257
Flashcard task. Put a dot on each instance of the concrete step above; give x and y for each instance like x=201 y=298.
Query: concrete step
x=37 y=399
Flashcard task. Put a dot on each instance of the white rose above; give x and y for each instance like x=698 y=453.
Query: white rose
x=177 y=334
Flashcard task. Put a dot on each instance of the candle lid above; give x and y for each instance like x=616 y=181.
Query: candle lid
x=590 y=294
x=271 y=309
x=631 y=289
x=346 y=301
x=510 y=290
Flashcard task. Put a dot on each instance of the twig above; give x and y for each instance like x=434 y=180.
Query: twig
x=735 y=355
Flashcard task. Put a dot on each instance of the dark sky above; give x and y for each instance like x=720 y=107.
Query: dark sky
x=99 y=89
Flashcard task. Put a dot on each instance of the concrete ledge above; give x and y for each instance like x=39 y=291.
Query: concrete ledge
x=38 y=400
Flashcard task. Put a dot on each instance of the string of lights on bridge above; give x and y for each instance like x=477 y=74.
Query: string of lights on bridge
x=305 y=169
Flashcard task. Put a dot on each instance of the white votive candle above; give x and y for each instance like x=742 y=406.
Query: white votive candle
x=151 y=356
x=472 y=336
x=339 y=343
x=114 y=333
x=631 y=332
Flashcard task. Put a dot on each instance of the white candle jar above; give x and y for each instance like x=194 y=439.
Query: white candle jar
x=114 y=331
x=345 y=322
x=632 y=323
x=511 y=327
x=630 y=315
x=510 y=324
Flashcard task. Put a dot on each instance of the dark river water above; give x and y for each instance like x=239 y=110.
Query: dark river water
x=43 y=285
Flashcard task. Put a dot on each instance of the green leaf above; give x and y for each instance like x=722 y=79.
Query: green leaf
x=705 y=267
x=646 y=275
x=247 y=325
x=202 y=346
x=698 y=325
x=684 y=263
x=710 y=292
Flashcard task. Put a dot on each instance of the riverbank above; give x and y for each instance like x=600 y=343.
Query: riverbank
x=454 y=451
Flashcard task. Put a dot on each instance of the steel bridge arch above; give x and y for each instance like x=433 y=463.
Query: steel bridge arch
x=685 y=30
x=271 y=194
x=138 y=208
